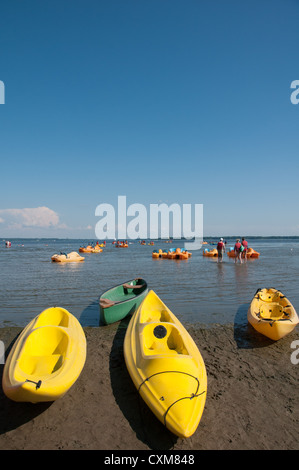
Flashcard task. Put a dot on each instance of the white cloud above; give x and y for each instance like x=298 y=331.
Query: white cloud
x=29 y=217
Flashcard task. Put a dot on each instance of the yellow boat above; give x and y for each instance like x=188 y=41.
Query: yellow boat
x=166 y=366
x=96 y=250
x=159 y=254
x=46 y=359
x=212 y=253
x=72 y=257
x=272 y=314
x=91 y=249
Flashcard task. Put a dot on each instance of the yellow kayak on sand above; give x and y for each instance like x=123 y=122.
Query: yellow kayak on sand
x=166 y=366
x=46 y=359
x=272 y=314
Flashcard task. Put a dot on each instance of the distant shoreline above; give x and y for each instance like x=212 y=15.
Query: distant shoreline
x=228 y=237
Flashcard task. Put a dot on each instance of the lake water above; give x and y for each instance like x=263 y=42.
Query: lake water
x=196 y=290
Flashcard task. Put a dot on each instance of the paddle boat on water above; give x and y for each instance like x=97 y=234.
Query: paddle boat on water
x=159 y=254
x=72 y=257
x=185 y=254
x=177 y=253
x=91 y=249
x=251 y=253
x=173 y=253
x=123 y=244
x=210 y=253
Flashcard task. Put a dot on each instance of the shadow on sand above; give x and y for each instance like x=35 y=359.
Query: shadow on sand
x=147 y=427
x=14 y=414
x=245 y=335
x=90 y=316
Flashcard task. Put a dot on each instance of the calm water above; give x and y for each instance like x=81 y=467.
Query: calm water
x=196 y=290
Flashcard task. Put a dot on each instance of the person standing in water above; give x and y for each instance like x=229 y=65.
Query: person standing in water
x=221 y=250
x=245 y=245
x=237 y=250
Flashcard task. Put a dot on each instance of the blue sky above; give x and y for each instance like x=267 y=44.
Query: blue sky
x=159 y=100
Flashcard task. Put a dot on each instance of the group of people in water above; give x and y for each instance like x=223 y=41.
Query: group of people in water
x=240 y=249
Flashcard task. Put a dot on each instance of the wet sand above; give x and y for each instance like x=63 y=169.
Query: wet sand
x=252 y=399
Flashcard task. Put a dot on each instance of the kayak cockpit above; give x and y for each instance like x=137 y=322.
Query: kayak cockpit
x=43 y=353
x=161 y=339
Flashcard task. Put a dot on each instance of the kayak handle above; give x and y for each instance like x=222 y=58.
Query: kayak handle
x=38 y=384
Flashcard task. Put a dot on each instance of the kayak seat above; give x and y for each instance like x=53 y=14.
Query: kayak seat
x=149 y=316
x=162 y=339
x=41 y=365
x=268 y=296
x=53 y=317
x=271 y=310
x=44 y=351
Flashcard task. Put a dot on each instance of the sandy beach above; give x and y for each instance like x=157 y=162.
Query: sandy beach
x=252 y=399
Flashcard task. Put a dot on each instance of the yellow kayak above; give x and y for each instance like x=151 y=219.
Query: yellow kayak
x=46 y=359
x=272 y=314
x=166 y=366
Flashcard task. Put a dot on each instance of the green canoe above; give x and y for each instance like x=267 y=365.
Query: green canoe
x=122 y=300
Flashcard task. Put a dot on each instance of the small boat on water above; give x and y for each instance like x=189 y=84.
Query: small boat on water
x=171 y=254
x=159 y=254
x=251 y=253
x=122 y=300
x=72 y=257
x=166 y=366
x=178 y=254
x=90 y=249
x=123 y=244
x=46 y=359
x=272 y=314
x=210 y=253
